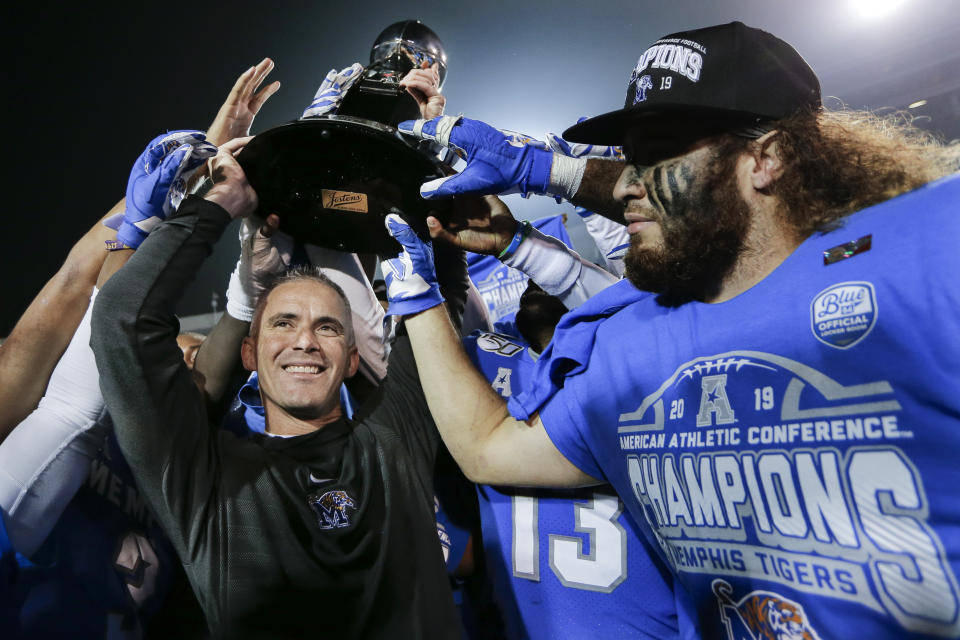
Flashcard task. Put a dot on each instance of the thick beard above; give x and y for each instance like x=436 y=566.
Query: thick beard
x=700 y=246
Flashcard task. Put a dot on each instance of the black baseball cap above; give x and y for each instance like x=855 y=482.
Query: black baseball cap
x=693 y=84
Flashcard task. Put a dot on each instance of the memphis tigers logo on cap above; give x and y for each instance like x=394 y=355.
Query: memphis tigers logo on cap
x=670 y=56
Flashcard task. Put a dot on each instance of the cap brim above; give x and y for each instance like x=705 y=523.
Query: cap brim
x=658 y=133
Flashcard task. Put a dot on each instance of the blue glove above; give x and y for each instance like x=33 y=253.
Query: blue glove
x=577 y=150
x=411 y=277
x=158 y=182
x=332 y=89
x=498 y=162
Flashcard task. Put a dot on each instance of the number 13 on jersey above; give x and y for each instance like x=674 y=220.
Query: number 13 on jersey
x=600 y=564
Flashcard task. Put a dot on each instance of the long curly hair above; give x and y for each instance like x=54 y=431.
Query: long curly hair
x=838 y=162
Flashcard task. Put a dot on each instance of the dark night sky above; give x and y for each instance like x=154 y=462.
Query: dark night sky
x=87 y=87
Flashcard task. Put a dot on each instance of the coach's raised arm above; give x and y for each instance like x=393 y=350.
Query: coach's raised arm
x=149 y=392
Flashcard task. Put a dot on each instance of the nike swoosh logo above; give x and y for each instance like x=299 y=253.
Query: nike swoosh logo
x=315 y=480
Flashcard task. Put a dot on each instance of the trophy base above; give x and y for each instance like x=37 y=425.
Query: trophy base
x=332 y=180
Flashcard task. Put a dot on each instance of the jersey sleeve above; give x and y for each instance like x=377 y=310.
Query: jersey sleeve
x=567 y=427
x=611 y=239
x=46 y=458
x=158 y=412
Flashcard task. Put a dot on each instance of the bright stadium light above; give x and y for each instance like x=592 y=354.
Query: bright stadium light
x=871 y=9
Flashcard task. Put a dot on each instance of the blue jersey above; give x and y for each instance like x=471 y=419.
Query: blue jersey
x=791 y=452
x=565 y=564
x=102 y=571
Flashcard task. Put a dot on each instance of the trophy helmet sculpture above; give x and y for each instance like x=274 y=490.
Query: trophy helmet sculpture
x=407 y=45
x=332 y=178
x=399 y=48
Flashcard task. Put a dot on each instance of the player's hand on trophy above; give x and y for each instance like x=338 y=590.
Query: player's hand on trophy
x=230 y=187
x=332 y=90
x=424 y=85
x=411 y=277
x=158 y=182
x=481 y=224
x=498 y=162
x=242 y=104
x=264 y=251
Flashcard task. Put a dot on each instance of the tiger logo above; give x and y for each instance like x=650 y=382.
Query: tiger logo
x=331 y=508
x=762 y=615
x=644 y=83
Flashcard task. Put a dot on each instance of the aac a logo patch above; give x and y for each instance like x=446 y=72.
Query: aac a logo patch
x=331 y=508
x=842 y=315
x=762 y=615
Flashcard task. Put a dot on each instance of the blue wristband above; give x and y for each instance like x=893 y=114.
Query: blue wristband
x=522 y=231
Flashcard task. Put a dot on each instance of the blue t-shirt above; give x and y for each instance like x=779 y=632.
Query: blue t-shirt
x=103 y=570
x=565 y=564
x=791 y=452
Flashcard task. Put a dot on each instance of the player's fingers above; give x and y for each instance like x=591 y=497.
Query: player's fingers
x=423 y=85
x=426 y=79
x=270 y=225
x=240 y=84
x=263 y=95
x=417 y=95
x=438 y=232
x=435 y=189
x=259 y=73
x=244 y=85
x=234 y=146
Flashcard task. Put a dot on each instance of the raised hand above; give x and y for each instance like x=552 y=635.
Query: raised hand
x=230 y=187
x=411 y=277
x=158 y=182
x=424 y=85
x=236 y=115
x=264 y=251
x=478 y=224
x=332 y=90
x=498 y=162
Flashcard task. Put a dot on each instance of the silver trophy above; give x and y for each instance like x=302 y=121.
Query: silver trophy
x=333 y=178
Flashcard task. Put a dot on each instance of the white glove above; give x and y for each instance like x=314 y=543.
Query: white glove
x=260 y=257
x=331 y=91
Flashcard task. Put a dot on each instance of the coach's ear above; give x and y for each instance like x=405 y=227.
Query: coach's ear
x=767 y=166
x=248 y=354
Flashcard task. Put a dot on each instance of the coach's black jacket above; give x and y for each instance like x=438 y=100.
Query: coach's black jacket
x=330 y=534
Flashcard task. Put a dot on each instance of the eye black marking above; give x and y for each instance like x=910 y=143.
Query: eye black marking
x=659 y=187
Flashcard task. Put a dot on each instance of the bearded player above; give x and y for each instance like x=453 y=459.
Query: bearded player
x=772 y=393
